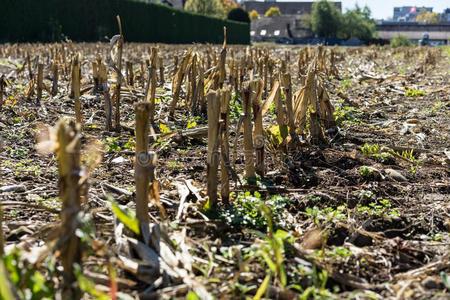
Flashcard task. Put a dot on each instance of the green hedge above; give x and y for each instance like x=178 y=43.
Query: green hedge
x=92 y=20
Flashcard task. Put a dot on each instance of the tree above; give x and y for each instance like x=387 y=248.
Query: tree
x=428 y=17
x=273 y=11
x=254 y=15
x=400 y=41
x=357 y=23
x=325 y=19
x=206 y=7
x=228 y=5
x=238 y=14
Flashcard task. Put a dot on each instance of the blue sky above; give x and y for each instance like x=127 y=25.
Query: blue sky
x=383 y=9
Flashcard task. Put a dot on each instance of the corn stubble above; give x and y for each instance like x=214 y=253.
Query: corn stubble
x=205 y=83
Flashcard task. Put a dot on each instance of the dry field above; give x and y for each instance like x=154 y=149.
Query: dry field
x=200 y=172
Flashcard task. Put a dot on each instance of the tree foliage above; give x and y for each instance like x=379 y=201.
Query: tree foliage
x=254 y=15
x=325 y=19
x=428 y=17
x=213 y=8
x=357 y=23
x=228 y=5
x=238 y=14
x=273 y=11
x=400 y=41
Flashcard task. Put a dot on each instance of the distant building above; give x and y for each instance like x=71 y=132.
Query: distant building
x=286 y=8
x=290 y=25
x=445 y=16
x=409 y=13
x=438 y=33
x=279 y=27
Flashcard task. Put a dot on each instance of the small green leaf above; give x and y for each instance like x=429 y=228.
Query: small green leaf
x=192 y=296
x=262 y=288
x=127 y=218
x=164 y=128
x=445 y=280
x=5 y=289
x=272 y=266
x=88 y=286
x=191 y=124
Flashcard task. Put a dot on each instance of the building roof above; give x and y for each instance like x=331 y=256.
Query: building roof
x=286 y=8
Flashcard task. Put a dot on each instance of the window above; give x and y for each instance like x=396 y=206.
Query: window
x=252 y=33
x=276 y=33
x=263 y=32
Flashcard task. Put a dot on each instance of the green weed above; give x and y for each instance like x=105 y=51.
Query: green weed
x=235 y=107
x=365 y=172
x=24 y=167
x=379 y=208
x=272 y=252
x=340 y=252
x=130 y=144
x=164 y=128
x=347 y=115
x=112 y=144
x=437 y=106
x=414 y=93
x=174 y=165
x=30 y=283
x=346 y=83
x=246 y=210
x=192 y=122
x=374 y=151
x=370 y=149
x=326 y=215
